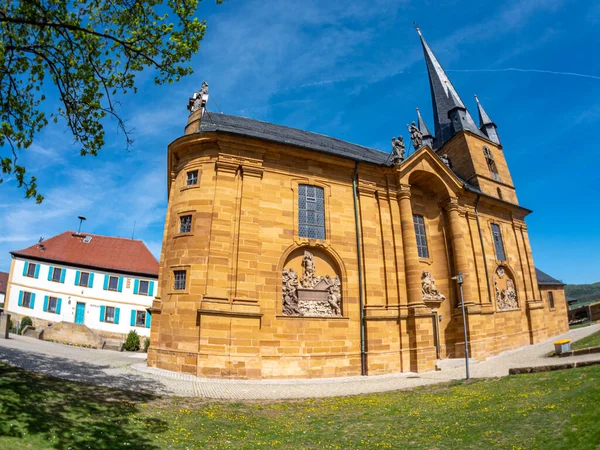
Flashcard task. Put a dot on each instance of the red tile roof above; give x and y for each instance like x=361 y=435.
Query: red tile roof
x=102 y=252
x=3 y=282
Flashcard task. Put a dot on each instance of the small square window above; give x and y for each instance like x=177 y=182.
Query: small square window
x=192 y=178
x=143 y=289
x=84 y=279
x=140 y=318
x=56 y=273
x=185 y=224
x=31 y=270
x=52 y=302
x=110 y=314
x=26 y=300
x=180 y=280
x=113 y=284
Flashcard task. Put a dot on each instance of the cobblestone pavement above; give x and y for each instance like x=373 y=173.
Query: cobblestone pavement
x=129 y=371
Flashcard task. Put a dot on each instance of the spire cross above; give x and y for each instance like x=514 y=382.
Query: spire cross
x=417 y=28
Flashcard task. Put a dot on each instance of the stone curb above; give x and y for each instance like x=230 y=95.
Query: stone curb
x=583 y=351
x=539 y=369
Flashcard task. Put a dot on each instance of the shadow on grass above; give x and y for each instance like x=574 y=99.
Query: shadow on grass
x=36 y=408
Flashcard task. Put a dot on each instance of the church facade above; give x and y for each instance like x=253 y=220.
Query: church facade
x=288 y=254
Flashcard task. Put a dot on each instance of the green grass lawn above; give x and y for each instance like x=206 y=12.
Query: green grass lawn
x=593 y=340
x=546 y=411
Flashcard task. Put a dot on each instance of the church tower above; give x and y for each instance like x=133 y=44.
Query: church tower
x=475 y=153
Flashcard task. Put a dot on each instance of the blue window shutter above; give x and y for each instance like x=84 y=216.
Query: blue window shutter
x=148 y=319
x=63 y=272
x=77 y=277
x=151 y=289
x=45 y=303
x=106 y=277
x=91 y=280
x=20 y=298
x=58 y=303
x=50 y=270
x=25 y=267
x=120 y=287
x=117 y=311
x=132 y=322
x=32 y=301
x=102 y=309
x=37 y=271
x=136 y=286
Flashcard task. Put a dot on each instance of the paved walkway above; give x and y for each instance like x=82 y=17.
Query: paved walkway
x=129 y=371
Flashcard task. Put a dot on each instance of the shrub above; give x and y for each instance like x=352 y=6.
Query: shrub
x=26 y=321
x=146 y=344
x=12 y=327
x=132 y=344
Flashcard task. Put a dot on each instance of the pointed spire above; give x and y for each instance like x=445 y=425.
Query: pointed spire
x=445 y=100
x=486 y=125
x=427 y=136
x=422 y=126
x=484 y=119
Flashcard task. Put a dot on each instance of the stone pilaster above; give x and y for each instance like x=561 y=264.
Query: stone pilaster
x=459 y=248
x=419 y=321
x=411 y=254
x=248 y=244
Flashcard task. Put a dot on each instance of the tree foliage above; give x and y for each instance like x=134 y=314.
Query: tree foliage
x=88 y=52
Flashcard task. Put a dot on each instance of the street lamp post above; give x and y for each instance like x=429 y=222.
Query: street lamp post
x=459 y=279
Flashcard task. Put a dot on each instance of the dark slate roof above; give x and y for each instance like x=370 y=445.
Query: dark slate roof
x=444 y=98
x=285 y=135
x=546 y=280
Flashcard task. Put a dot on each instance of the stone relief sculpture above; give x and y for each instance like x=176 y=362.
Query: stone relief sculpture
x=319 y=296
x=289 y=289
x=398 y=150
x=506 y=294
x=415 y=136
x=429 y=289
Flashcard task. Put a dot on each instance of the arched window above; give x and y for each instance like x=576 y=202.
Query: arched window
x=311 y=212
x=489 y=159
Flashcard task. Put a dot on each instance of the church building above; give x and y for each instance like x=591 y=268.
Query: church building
x=289 y=254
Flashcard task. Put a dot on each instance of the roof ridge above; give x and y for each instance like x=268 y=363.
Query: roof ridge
x=99 y=235
x=307 y=131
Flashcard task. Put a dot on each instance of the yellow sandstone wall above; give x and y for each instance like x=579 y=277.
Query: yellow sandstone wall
x=228 y=322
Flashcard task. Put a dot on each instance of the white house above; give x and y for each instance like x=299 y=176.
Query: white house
x=103 y=282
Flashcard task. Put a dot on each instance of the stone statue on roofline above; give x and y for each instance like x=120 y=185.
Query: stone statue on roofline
x=199 y=99
x=415 y=136
x=398 y=150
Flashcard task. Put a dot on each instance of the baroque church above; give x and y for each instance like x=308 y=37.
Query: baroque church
x=289 y=254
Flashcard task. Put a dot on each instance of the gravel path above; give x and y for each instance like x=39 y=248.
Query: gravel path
x=129 y=371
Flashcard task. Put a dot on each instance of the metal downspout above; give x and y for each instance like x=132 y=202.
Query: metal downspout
x=363 y=361
x=487 y=276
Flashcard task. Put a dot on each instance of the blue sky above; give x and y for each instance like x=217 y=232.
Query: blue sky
x=354 y=71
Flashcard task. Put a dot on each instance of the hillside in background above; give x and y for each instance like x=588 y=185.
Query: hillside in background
x=584 y=293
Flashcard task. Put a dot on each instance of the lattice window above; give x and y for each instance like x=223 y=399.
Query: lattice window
x=311 y=212
x=497 y=235
x=185 y=224
x=491 y=163
x=180 y=277
x=419 y=222
x=192 y=178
